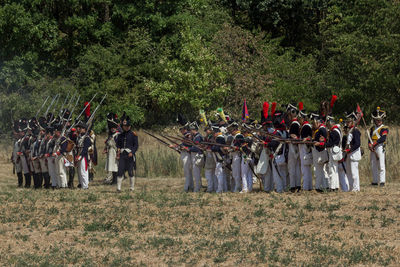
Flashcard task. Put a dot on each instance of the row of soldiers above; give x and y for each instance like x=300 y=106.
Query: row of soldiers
x=282 y=152
x=49 y=149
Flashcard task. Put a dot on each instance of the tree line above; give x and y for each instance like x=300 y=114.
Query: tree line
x=155 y=58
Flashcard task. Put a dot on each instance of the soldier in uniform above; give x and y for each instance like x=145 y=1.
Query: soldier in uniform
x=50 y=156
x=45 y=136
x=334 y=148
x=342 y=172
x=320 y=155
x=209 y=166
x=24 y=152
x=186 y=158
x=35 y=162
x=82 y=157
x=305 y=151
x=19 y=134
x=72 y=141
x=236 y=156
x=127 y=145
x=278 y=153
x=219 y=156
x=60 y=151
x=378 y=135
x=353 y=151
x=196 y=155
x=111 y=166
x=246 y=162
x=92 y=154
x=264 y=166
x=294 y=168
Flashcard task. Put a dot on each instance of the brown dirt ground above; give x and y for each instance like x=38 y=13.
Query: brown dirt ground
x=160 y=225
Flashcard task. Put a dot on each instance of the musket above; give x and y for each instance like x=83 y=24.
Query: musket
x=65 y=127
x=90 y=120
x=70 y=115
x=62 y=106
x=215 y=144
x=170 y=140
x=72 y=100
x=187 y=141
x=279 y=139
x=162 y=141
x=54 y=108
x=51 y=104
x=44 y=103
x=84 y=108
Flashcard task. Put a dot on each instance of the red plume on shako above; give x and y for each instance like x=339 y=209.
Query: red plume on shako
x=333 y=100
x=301 y=106
x=87 y=109
x=265 y=109
x=273 y=108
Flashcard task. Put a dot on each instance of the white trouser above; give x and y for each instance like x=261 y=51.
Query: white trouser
x=43 y=165
x=268 y=179
x=321 y=176
x=247 y=175
x=212 y=182
x=236 y=171
x=196 y=172
x=187 y=170
x=221 y=178
x=344 y=182
x=378 y=165
x=352 y=174
x=305 y=168
x=307 y=176
x=52 y=170
x=131 y=182
x=61 y=171
x=333 y=175
x=294 y=166
x=279 y=173
x=320 y=169
x=83 y=173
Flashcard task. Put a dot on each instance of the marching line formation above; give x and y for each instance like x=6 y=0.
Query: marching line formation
x=49 y=148
x=281 y=152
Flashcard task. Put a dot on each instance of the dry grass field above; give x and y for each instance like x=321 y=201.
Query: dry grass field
x=158 y=224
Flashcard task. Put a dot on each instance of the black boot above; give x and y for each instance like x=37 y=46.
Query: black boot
x=91 y=176
x=20 y=179
x=114 y=180
x=40 y=180
x=35 y=180
x=46 y=177
x=71 y=174
x=28 y=179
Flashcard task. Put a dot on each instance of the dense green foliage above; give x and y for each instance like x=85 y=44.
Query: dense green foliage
x=156 y=58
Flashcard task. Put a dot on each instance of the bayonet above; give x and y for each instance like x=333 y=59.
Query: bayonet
x=44 y=103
